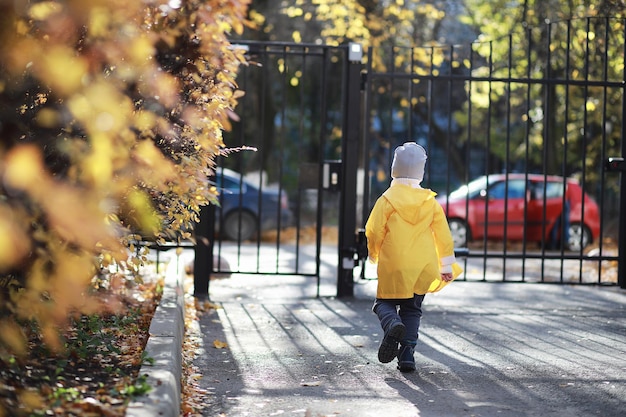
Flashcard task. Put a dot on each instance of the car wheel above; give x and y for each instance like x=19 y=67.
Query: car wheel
x=578 y=233
x=239 y=225
x=460 y=234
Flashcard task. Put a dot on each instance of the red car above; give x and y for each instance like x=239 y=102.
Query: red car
x=527 y=206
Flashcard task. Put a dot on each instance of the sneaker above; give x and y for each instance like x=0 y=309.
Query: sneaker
x=406 y=361
x=388 y=349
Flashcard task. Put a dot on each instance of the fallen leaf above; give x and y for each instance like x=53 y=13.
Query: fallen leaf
x=219 y=344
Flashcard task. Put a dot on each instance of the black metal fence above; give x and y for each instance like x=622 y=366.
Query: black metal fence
x=517 y=130
x=544 y=109
x=279 y=182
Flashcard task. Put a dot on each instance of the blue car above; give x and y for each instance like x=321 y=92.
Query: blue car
x=245 y=210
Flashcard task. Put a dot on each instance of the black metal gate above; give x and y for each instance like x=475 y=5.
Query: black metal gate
x=280 y=179
x=542 y=109
x=533 y=117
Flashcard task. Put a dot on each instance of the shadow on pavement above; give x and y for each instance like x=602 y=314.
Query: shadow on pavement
x=485 y=350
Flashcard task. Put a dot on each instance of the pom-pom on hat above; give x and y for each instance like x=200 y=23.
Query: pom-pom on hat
x=408 y=161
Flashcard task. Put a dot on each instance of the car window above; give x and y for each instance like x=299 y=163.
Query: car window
x=552 y=189
x=516 y=189
x=227 y=183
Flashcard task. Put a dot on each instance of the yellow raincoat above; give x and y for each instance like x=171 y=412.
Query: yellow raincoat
x=408 y=235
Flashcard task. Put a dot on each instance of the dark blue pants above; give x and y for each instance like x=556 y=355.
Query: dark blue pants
x=408 y=310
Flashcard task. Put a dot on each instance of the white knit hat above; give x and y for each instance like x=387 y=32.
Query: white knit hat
x=408 y=161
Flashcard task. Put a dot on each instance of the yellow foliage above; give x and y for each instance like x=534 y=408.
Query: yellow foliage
x=14 y=242
x=121 y=107
x=590 y=105
x=141 y=50
x=139 y=209
x=23 y=167
x=99 y=20
x=257 y=18
x=30 y=400
x=47 y=118
x=61 y=69
x=396 y=22
x=43 y=10
x=11 y=335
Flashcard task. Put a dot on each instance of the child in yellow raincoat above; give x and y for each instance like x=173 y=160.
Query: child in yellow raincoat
x=409 y=237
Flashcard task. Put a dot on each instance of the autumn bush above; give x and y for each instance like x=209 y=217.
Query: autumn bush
x=111 y=115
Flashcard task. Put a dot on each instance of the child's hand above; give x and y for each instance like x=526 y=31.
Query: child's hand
x=447 y=277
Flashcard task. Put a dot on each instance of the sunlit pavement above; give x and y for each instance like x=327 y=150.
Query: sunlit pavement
x=486 y=349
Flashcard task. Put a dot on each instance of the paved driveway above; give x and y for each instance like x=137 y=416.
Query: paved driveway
x=486 y=349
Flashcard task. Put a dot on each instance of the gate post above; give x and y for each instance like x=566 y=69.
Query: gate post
x=349 y=157
x=203 y=251
x=619 y=165
x=621 y=264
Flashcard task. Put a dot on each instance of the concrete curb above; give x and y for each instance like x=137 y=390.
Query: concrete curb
x=165 y=347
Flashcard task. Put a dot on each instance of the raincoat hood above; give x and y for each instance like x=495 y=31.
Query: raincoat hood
x=408 y=201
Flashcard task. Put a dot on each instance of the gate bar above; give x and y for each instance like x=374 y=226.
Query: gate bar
x=621 y=236
x=619 y=165
x=203 y=259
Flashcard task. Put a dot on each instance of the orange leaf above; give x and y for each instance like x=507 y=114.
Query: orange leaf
x=219 y=344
